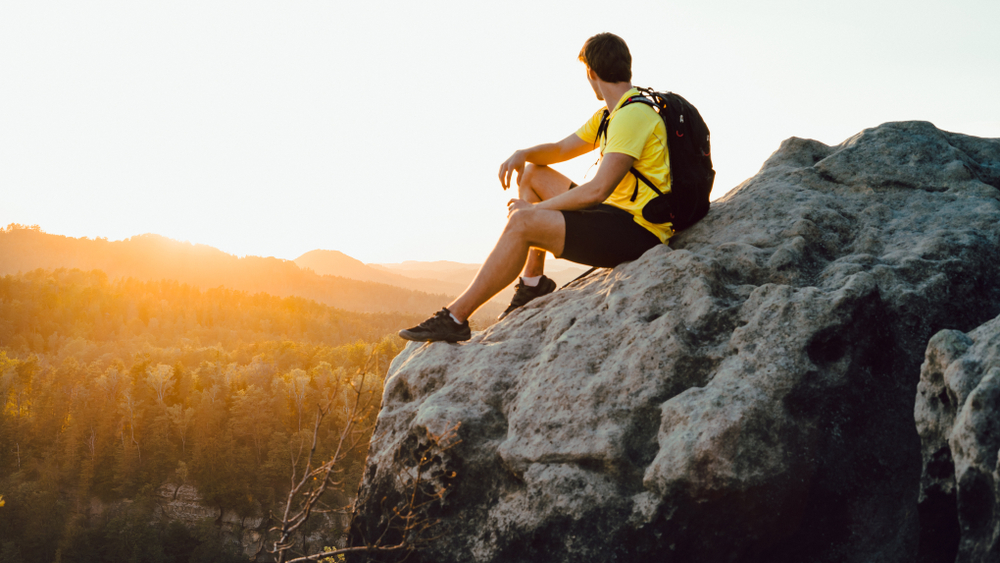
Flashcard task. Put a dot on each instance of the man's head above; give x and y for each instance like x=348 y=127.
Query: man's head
x=607 y=55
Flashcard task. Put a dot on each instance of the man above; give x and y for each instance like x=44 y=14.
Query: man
x=598 y=223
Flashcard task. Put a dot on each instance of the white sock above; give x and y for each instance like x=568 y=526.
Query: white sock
x=453 y=318
x=532 y=281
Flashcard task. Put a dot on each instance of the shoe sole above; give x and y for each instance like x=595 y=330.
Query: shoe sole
x=417 y=337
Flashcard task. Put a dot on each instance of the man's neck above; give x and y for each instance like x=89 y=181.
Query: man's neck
x=613 y=91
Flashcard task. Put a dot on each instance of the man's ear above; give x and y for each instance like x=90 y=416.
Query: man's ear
x=591 y=74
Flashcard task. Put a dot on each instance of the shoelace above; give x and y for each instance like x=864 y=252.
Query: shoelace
x=431 y=321
x=435 y=319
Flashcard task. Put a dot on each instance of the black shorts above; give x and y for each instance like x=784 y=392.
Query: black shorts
x=604 y=236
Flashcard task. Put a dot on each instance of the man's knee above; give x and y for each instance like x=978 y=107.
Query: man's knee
x=530 y=174
x=541 y=228
x=530 y=223
x=520 y=222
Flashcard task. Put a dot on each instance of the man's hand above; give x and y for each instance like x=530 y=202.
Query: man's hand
x=515 y=204
x=542 y=155
x=513 y=164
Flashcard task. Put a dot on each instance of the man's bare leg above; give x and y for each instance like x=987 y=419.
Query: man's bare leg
x=539 y=183
x=526 y=229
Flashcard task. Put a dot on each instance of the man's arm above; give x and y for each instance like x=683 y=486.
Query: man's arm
x=548 y=153
x=613 y=168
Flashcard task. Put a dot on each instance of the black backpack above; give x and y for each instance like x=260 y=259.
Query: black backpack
x=690 y=150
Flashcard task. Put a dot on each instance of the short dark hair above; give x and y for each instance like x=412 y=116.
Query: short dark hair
x=607 y=55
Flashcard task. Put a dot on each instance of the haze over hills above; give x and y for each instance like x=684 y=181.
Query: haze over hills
x=562 y=271
x=440 y=276
x=327 y=276
x=446 y=269
x=153 y=257
x=336 y=263
x=439 y=269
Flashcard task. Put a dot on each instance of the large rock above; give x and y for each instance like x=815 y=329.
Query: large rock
x=958 y=418
x=746 y=395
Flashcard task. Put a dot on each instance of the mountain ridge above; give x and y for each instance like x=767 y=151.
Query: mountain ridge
x=336 y=263
x=152 y=257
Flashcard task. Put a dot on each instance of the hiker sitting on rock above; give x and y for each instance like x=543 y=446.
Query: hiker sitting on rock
x=597 y=223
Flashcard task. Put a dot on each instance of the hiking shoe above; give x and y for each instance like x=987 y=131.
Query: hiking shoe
x=440 y=327
x=525 y=293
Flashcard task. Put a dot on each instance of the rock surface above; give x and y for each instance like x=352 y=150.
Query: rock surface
x=183 y=503
x=958 y=418
x=746 y=395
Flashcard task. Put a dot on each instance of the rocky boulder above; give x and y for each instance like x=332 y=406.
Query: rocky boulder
x=746 y=394
x=958 y=418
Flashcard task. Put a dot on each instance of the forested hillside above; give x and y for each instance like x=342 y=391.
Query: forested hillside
x=153 y=257
x=112 y=388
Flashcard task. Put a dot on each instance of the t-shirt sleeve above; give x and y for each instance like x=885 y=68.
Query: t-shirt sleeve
x=629 y=130
x=589 y=130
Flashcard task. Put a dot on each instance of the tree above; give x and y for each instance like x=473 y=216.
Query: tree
x=159 y=379
x=408 y=523
x=130 y=407
x=181 y=418
x=297 y=386
x=252 y=417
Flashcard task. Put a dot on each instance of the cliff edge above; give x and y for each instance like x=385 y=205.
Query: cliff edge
x=746 y=394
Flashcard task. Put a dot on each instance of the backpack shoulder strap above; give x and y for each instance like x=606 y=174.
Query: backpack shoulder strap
x=603 y=128
x=641 y=98
x=639 y=176
x=606 y=118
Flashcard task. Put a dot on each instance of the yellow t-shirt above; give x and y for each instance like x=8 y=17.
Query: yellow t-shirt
x=638 y=131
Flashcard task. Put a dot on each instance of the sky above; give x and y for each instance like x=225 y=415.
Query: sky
x=377 y=128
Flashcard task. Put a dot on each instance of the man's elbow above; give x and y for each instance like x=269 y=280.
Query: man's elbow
x=598 y=196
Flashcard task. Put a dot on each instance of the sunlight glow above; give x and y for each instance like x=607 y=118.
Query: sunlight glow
x=377 y=129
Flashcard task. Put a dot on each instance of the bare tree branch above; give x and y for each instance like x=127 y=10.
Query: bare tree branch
x=407 y=521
